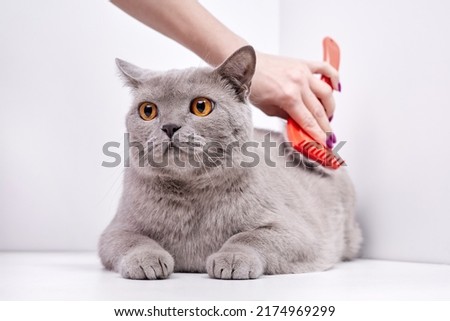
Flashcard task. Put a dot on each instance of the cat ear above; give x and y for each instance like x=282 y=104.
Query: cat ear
x=133 y=75
x=239 y=69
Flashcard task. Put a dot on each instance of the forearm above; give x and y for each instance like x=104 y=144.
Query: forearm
x=188 y=23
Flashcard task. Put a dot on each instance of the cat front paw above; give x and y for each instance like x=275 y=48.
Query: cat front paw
x=234 y=265
x=150 y=264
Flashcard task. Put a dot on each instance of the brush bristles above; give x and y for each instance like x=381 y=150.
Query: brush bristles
x=320 y=154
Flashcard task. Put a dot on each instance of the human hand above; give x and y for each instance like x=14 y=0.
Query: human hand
x=288 y=87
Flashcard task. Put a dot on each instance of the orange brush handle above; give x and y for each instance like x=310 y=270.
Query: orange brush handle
x=332 y=55
x=301 y=140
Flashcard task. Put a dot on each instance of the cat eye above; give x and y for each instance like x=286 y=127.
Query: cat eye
x=201 y=106
x=148 y=111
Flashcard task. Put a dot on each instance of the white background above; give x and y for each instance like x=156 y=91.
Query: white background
x=394 y=111
x=61 y=100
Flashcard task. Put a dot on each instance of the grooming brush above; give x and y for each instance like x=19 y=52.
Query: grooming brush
x=302 y=141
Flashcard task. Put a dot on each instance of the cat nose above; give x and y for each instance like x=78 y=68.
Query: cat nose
x=170 y=129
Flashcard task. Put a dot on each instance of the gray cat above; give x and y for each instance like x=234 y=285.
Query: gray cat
x=207 y=200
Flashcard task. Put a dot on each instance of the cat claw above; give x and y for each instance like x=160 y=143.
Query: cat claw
x=234 y=266
x=147 y=264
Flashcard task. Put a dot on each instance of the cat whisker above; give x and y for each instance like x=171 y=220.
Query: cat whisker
x=204 y=168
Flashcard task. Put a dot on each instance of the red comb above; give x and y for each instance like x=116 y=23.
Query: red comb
x=301 y=141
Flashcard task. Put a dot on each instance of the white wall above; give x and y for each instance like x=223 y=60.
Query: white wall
x=61 y=100
x=394 y=111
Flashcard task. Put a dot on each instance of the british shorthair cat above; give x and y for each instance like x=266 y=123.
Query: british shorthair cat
x=206 y=194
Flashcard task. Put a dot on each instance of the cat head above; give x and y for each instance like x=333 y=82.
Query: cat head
x=191 y=121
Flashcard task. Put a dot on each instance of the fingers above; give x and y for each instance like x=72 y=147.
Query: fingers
x=285 y=86
x=316 y=109
x=325 y=95
x=324 y=68
x=302 y=116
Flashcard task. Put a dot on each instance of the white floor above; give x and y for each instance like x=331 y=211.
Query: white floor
x=79 y=276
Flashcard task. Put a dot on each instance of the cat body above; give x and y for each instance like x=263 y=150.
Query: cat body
x=235 y=220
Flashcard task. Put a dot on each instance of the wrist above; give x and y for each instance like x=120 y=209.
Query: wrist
x=222 y=49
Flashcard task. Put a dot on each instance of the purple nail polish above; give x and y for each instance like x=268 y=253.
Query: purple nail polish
x=330 y=142
x=339 y=87
x=331 y=118
x=334 y=138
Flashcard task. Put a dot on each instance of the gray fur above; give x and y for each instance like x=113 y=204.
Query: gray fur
x=233 y=222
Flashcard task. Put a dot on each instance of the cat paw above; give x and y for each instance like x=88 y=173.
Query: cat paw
x=234 y=265
x=147 y=264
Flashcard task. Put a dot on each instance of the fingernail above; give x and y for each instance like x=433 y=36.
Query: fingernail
x=331 y=118
x=330 y=142
x=339 y=87
x=334 y=138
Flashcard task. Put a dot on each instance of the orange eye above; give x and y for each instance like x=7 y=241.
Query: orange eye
x=148 y=111
x=201 y=106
